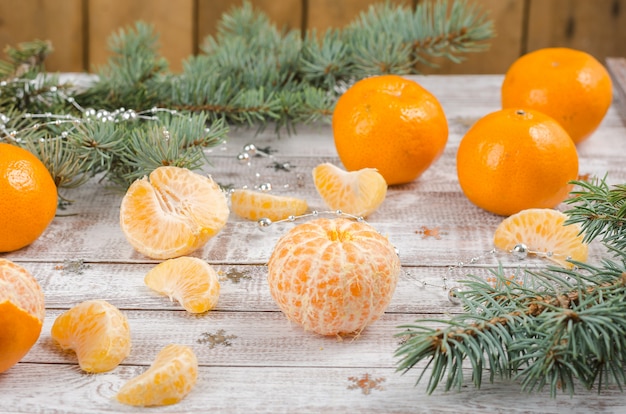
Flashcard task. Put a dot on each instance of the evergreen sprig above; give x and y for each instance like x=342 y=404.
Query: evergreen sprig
x=556 y=328
x=252 y=73
x=249 y=73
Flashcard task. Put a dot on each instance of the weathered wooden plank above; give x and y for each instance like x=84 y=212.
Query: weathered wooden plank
x=91 y=231
x=59 y=22
x=594 y=27
x=242 y=339
x=329 y=14
x=173 y=22
x=286 y=390
x=508 y=20
x=244 y=288
x=285 y=14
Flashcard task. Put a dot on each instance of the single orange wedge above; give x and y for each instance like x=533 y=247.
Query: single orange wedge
x=189 y=280
x=169 y=379
x=97 y=331
x=542 y=232
x=173 y=213
x=254 y=205
x=358 y=193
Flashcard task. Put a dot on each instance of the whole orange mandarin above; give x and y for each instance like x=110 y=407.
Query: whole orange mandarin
x=22 y=313
x=29 y=197
x=569 y=85
x=514 y=159
x=389 y=123
x=333 y=276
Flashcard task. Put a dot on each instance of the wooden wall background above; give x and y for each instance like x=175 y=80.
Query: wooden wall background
x=79 y=29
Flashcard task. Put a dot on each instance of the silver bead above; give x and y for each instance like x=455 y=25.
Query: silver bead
x=520 y=251
x=454 y=295
x=243 y=158
x=265 y=187
x=250 y=149
x=264 y=223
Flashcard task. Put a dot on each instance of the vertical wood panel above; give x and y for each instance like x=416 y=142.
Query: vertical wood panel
x=284 y=14
x=57 y=21
x=324 y=14
x=597 y=27
x=507 y=16
x=172 y=20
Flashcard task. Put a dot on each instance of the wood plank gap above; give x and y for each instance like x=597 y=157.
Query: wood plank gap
x=304 y=20
x=525 y=27
x=195 y=31
x=85 y=30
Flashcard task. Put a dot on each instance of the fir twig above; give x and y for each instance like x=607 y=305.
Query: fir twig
x=600 y=210
x=558 y=327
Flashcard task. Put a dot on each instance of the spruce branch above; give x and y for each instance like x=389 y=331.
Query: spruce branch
x=249 y=73
x=554 y=328
x=252 y=73
x=600 y=210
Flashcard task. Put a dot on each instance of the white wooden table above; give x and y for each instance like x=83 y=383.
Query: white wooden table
x=252 y=359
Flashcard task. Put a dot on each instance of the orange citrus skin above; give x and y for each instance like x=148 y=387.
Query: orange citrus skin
x=569 y=85
x=21 y=313
x=512 y=160
x=333 y=277
x=389 y=123
x=29 y=198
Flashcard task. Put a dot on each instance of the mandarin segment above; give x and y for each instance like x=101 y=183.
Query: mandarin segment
x=333 y=277
x=389 y=123
x=172 y=213
x=515 y=159
x=97 y=332
x=22 y=311
x=254 y=205
x=189 y=280
x=359 y=193
x=543 y=231
x=169 y=379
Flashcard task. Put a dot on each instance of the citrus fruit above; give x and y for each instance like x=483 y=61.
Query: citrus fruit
x=169 y=379
x=21 y=313
x=189 y=280
x=541 y=231
x=512 y=159
x=333 y=276
x=569 y=85
x=29 y=198
x=254 y=205
x=97 y=331
x=172 y=213
x=389 y=123
x=358 y=193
